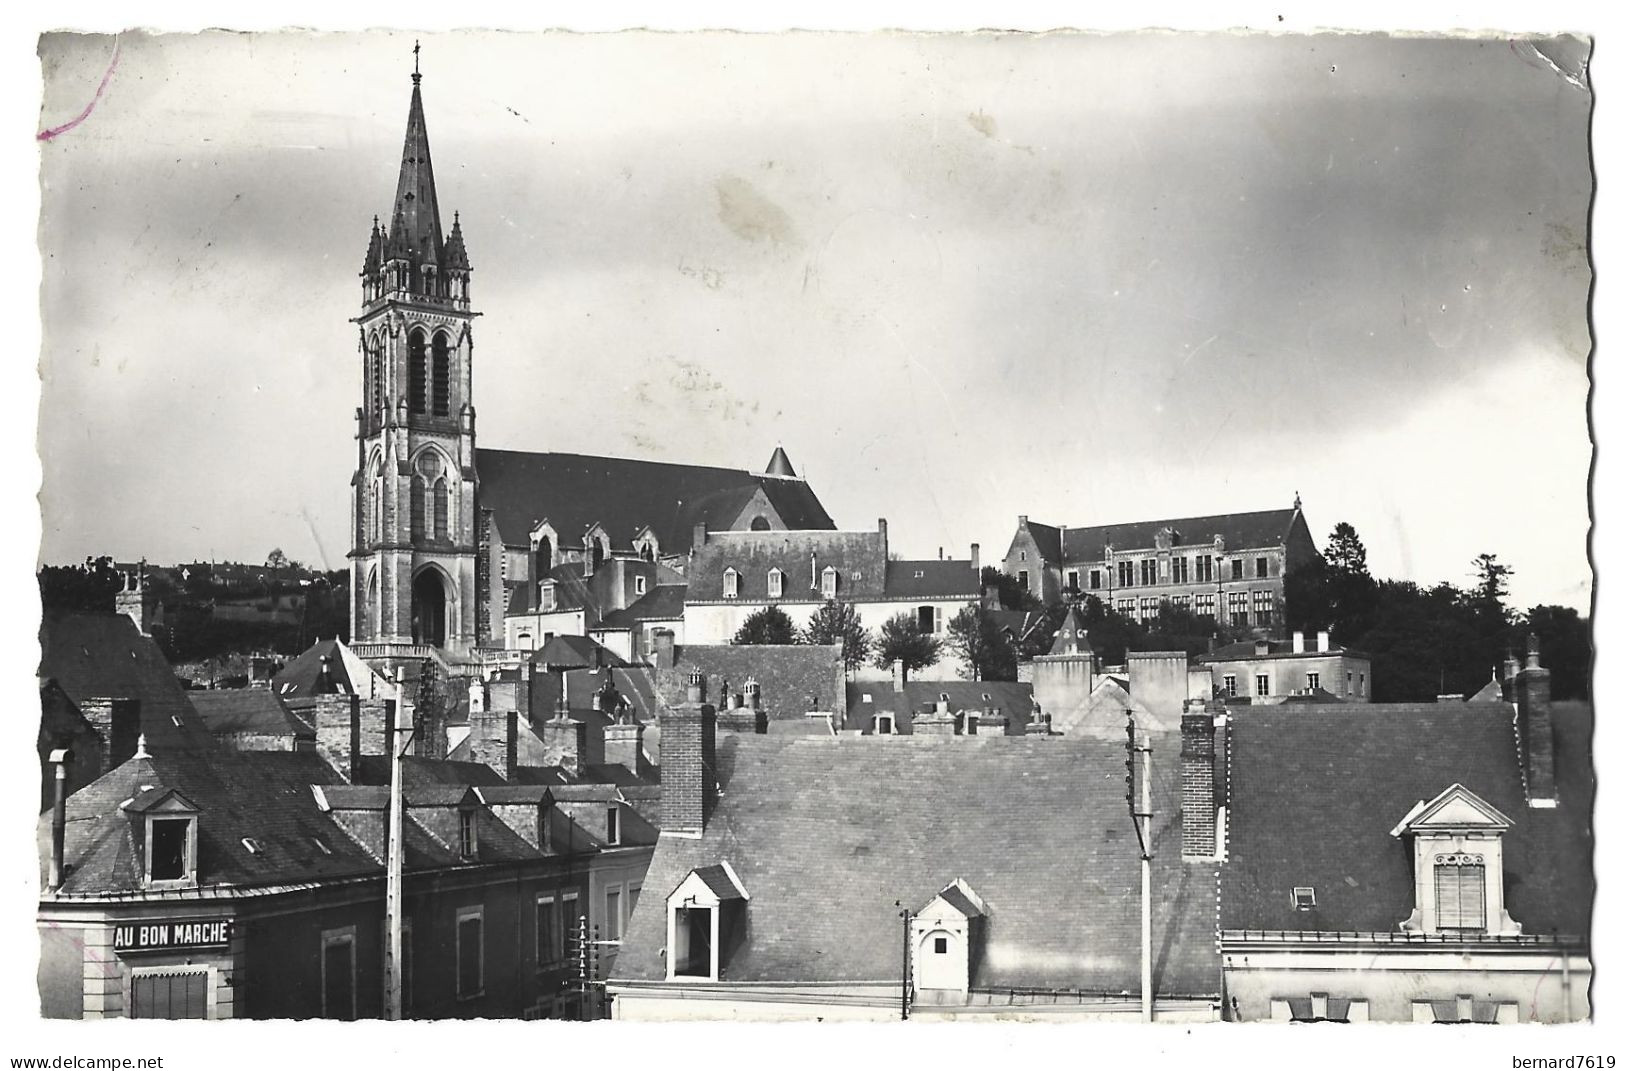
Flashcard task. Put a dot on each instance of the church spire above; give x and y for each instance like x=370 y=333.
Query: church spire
x=415 y=200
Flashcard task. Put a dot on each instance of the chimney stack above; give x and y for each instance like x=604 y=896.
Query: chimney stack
x=338 y=732
x=1534 y=698
x=665 y=648
x=1297 y=642
x=899 y=675
x=976 y=562
x=688 y=752
x=1509 y=675
x=59 y=817
x=700 y=534
x=1199 y=823
x=1323 y=640
x=118 y=723
x=623 y=745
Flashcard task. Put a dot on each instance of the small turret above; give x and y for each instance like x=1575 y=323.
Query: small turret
x=456 y=251
x=375 y=250
x=780 y=464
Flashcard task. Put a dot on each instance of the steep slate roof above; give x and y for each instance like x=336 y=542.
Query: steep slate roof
x=263 y=795
x=663 y=603
x=858 y=557
x=303 y=678
x=575 y=491
x=1316 y=788
x=247 y=710
x=931 y=578
x=1241 y=531
x=1013 y=699
x=828 y=833
x=792 y=676
x=104 y=656
x=576 y=652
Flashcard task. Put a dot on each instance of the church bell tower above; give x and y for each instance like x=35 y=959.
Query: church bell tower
x=413 y=495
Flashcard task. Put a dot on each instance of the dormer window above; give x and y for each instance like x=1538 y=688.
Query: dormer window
x=830 y=579
x=775 y=584
x=702 y=913
x=550 y=598
x=168 y=824
x=640 y=585
x=943 y=935
x=468 y=842
x=612 y=827
x=1303 y=897
x=1456 y=854
x=730 y=584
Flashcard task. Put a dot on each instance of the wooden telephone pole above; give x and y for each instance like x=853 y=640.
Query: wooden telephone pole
x=1139 y=806
x=394 y=871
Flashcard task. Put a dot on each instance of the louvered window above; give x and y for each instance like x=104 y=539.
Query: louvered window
x=416 y=374
x=440 y=384
x=1458 y=886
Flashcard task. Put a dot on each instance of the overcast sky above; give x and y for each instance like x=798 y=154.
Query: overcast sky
x=960 y=278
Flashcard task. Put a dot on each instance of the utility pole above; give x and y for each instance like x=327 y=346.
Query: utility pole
x=394 y=877
x=908 y=942
x=1139 y=804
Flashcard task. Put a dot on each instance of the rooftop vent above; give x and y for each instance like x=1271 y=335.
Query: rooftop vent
x=1303 y=897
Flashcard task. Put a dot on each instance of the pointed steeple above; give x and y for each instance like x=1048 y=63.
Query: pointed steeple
x=414 y=194
x=375 y=250
x=780 y=464
x=396 y=246
x=456 y=251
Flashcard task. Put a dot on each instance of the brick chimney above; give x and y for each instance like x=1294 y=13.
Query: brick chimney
x=338 y=732
x=118 y=723
x=623 y=745
x=665 y=648
x=493 y=739
x=135 y=601
x=1533 y=689
x=688 y=762
x=1199 y=823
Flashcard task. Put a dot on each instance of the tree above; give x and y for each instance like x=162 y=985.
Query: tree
x=1492 y=576
x=767 y=625
x=1012 y=596
x=1345 y=552
x=987 y=652
x=838 y=623
x=90 y=587
x=276 y=559
x=902 y=641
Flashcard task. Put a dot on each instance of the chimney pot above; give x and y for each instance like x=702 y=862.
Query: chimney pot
x=696 y=687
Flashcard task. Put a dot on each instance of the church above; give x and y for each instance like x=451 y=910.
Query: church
x=445 y=532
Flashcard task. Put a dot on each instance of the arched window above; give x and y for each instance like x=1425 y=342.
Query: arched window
x=597 y=555
x=377 y=518
x=544 y=557
x=730 y=584
x=418 y=528
x=760 y=523
x=830 y=578
x=415 y=373
x=442 y=509
x=440 y=380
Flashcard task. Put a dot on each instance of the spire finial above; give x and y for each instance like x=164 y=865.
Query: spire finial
x=417 y=76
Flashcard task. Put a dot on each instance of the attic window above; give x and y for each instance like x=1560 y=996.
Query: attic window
x=467 y=839
x=612 y=834
x=1303 y=897
x=641 y=585
x=919 y=574
x=254 y=847
x=775 y=584
x=730 y=584
x=830 y=579
x=172 y=851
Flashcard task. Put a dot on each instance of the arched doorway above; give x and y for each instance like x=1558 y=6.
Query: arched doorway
x=429 y=608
